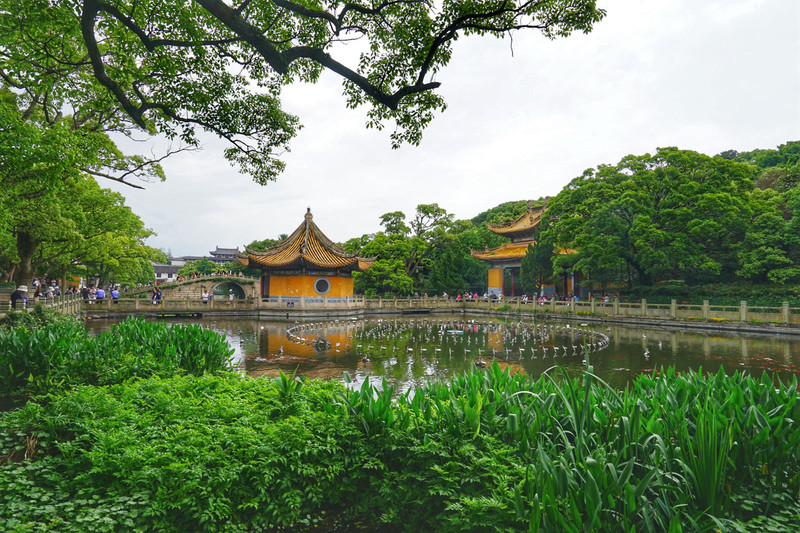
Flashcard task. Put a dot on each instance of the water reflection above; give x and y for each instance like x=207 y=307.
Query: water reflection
x=408 y=351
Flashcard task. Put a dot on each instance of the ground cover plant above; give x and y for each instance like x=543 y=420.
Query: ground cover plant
x=486 y=451
x=45 y=352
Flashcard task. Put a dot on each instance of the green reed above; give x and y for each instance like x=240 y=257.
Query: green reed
x=46 y=357
x=485 y=451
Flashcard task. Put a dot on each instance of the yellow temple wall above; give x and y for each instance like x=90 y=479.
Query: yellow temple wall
x=304 y=286
x=495 y=285
x=495 y=277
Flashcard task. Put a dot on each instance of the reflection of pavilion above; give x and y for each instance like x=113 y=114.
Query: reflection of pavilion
x=307 y=264
x=505 y=260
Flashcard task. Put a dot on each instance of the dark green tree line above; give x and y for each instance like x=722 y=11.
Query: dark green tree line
x=674 y=215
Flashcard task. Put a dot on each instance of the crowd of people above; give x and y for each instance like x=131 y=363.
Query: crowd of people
x=498 y=297
x=44 y=289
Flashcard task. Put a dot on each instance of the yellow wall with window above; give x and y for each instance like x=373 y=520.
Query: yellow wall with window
x=297 y=286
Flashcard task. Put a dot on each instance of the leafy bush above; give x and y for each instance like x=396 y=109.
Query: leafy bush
x=719 y=294
x=486 y=451
x=49 y=352
x=39 y=317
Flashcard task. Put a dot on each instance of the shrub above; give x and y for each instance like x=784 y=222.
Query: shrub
x=49 y=353
x=485 y=451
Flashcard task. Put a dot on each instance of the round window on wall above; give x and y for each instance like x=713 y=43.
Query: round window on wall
x=322 y=286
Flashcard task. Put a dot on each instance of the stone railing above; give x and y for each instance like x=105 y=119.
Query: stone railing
x=66 y=303
x=220 y=304
x=742 y=312
x=73 y=304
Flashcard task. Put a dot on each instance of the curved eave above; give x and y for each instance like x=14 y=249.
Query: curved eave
x=510 y=251
x=304 y=263
x=522 y=226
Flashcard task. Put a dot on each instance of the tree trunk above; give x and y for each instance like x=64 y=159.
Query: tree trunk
x=26 y=248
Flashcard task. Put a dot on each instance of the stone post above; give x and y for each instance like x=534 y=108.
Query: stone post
x=572 y=306
x=593 y=303
x=786 y=313
x=553 y=304
x=616 y=306
x=706 y=311
x=673 y=308
x=743 y=311
x=644 y=307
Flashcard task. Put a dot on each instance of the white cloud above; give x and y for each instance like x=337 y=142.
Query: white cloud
x=725 y=12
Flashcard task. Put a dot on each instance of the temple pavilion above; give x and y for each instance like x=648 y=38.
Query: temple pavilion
x=505 y=260
x=306 y=264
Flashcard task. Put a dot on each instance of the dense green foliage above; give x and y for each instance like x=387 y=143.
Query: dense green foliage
x=676 y=224
x=55 y=220
x=429 y=254
x=181 y=68
x=718 y=294
x=487 y=451
x=41 y=353
x=777 y=169
x=203 y=267
x=501 y=214
x=675 y=216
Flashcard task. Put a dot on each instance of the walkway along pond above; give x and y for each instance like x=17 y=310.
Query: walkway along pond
x=705 y=314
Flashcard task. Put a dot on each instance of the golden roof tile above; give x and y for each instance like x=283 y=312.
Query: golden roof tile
x=504 y=252
x=522 y=226
x=306 y=247
x=511 y=251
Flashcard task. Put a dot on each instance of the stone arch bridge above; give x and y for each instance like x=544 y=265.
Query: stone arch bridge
x=243 y=287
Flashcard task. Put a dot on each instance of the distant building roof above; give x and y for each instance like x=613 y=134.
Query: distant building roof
x=185 y=258
x=227 y=252
x=306 y=248
x=165 y=269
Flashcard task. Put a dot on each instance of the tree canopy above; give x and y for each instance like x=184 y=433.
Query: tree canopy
x=674 y=215
x=53 y=215
x=179 y=67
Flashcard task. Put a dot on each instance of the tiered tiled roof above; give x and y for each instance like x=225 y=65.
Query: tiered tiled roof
x=306 y=248
x=523 y=227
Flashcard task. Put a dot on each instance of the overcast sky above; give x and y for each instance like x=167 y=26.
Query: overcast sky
x=523 y=119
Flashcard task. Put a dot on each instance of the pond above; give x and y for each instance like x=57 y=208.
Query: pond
x=408 y=351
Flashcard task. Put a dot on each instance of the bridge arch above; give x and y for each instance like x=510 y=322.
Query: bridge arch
x=221 y=290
